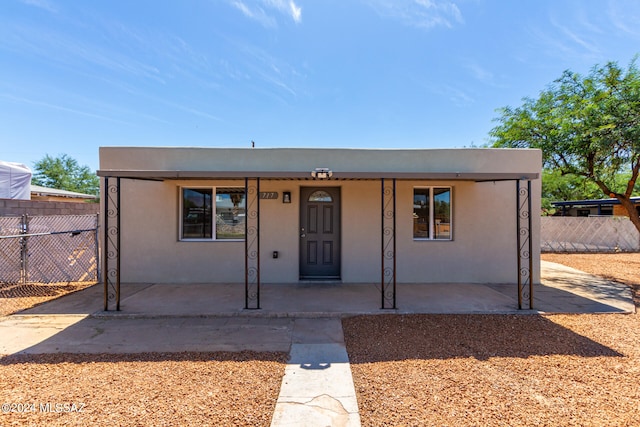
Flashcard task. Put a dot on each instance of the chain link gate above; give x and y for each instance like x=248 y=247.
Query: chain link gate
x=49 y=249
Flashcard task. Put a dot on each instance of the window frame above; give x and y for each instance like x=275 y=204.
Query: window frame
x=214 y=208
x=432 y=219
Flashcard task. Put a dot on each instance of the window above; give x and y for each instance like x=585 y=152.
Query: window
x=432 y=213
x=203 y=217
x=320 y=196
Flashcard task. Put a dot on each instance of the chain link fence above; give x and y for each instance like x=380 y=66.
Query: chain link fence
x=49 y=249
x=588 y=234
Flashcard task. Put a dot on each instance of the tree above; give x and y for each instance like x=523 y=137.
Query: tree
x=559 y=187
x=64 y=173
x=586 y=126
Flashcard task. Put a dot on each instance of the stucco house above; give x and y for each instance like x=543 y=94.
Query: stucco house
x=263 y=217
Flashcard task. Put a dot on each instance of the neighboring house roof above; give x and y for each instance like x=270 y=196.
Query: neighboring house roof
x=44 y=191
x=592 y=202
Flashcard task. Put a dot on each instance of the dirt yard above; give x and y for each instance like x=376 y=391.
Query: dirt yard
x=496 y=370
x=178 y=389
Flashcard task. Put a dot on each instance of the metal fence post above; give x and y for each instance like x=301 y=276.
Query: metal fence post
x=24 y=250
x=96 y=237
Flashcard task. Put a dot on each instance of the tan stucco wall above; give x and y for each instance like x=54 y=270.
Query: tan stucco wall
x=483 y=249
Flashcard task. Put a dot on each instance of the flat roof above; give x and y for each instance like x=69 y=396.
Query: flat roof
x=37 y=189
x=162 y=175
x=184 y=163
x=592 y=202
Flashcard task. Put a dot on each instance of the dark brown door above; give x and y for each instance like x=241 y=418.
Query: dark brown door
x=320 y=233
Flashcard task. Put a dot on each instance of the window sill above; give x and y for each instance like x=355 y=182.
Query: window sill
x=210 y=240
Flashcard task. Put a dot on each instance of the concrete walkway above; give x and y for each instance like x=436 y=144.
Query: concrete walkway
x=303 y=320
x=317 y=386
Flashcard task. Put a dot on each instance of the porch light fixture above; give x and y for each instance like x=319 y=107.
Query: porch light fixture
x=321 y=173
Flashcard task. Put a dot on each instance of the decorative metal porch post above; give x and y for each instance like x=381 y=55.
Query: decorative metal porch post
x=111 y=242
x=252 y=244
x=525 y=244
x=388 y=255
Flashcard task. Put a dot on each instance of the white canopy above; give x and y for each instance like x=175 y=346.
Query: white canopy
x=15 y=181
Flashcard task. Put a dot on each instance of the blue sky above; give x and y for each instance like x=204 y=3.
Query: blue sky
x=76 y=75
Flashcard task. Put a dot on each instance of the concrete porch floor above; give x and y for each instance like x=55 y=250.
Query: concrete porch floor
x=563 y=290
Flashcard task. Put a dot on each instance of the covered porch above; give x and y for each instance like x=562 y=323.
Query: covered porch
x=563 y=290
x=335 y=296
x=383 y=173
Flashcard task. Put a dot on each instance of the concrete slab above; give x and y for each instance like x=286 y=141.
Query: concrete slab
x=317 y=388
x=18 y=333
x=583 y=292
x=563 y=290
x=81 y=334
x=317 y=331
x=211 y=317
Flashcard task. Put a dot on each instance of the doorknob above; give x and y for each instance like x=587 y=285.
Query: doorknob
x=302 y=233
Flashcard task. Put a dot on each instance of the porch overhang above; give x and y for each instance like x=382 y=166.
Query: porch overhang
x=164 y=175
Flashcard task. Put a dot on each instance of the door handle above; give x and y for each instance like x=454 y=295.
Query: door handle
x=302 y=233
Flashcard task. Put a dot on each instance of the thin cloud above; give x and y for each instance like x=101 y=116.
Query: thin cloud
x=287 y=7
x=255 y=13
x=42 y=4
x=424 y=14
x=625 y=17
x=480 y=73
x=262 y=10
x=484 y=75
x=452 y=94
x=261 y=64
x=70 y=52
x=568 y=41
x=576 y=38
x=61 y=108
x=171 y=49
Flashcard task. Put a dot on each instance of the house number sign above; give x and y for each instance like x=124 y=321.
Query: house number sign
x=269 y=195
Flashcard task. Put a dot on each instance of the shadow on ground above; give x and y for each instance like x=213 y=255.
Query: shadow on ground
x=82 y=358
x=435 y=336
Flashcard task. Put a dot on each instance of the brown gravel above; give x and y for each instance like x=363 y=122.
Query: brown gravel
x=498 y=370
x=178 y=389
x=17 y=297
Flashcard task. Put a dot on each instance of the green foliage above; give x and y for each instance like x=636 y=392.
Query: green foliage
x=587 y=127
x=559 y=187
x=64 y=173
x=556 y=186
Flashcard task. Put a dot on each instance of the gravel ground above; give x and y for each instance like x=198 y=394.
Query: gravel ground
x=178 y=389
x=497 y=370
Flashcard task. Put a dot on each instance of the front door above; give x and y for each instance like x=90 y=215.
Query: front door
x=320 y=233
